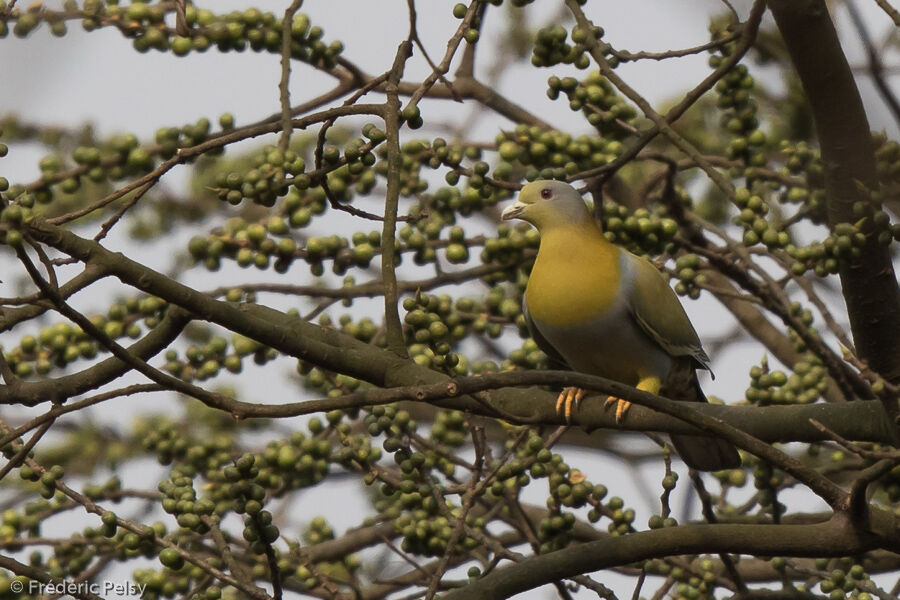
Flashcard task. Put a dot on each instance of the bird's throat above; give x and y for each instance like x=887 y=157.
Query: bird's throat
x=575 y=277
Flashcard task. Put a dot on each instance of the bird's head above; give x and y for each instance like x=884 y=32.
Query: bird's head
x=547 y=203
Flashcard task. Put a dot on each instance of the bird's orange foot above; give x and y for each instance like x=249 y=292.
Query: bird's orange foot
x=567 y=398
x=622 y=407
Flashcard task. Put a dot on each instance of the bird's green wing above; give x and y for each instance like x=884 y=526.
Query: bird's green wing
x=659 y=314
x=555 y=358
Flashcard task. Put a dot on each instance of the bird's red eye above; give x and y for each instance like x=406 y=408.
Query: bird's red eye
x=546 y=193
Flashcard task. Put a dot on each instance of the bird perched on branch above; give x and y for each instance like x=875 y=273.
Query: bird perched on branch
x=598 y=309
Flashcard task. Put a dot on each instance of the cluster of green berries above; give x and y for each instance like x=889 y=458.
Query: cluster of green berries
x=248 y=243
x=259 y=531
x=364 y=329
x=355 y=170
x=119 y=157
x=301 y=461
x=887 y=164
x=14 y=214
x=343 y=257
x=70 y=559
x=449 y=429
x=145 y=23
x=435 y=323
x=97 y=491
x=479 y=191
x=768 y=482
x=752 y=217
x=62 y=344
x=569 y=488
x=57 y=345
x=502 y=305
x=690 y=581
x=643 y=232
x=396 y=425
x=432 y=320
x=164 y=439
x=689 y=282
x=739 y=115
x=412 y=492
x=449 y=202
x=265 y=181
x=844 y=242
x=11 y=523
x=528 y=356
x=698 y=586
x=457 y=252
x=847 y=579
x=414 y=154
x=422 y=237
x=170 y=139
x=604 y=108
x=509 y=247
x=326 y=382
x=428 y=534
x=261 y=31
x=317 y=532
x=552 y=48
x=801 y=160
x=45 y=479
x=551 y=154
x=179 y=579
x=417 y=517
x=201 y=363
x=180 y=499
x=14 y=522
x=824 y=257
x=733 y=478
x=356 y=451
x=805 y=385
x=80 y=161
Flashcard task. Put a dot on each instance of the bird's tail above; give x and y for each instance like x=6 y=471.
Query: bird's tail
x=700 y=452
x=705 y=453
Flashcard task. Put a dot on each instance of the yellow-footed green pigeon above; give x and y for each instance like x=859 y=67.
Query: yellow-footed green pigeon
x=598 y=309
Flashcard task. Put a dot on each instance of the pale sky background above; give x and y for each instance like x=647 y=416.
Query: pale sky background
x=97 y=78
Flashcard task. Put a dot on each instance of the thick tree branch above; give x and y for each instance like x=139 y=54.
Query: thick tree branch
x=849 y=164
x=338 y=352
x=832 y=538
x=32 y=393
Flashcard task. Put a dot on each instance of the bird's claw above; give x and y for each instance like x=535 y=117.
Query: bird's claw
x=568 y=397
x=622 y=407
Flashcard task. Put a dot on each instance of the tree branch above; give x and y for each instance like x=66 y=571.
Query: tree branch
x=848 y=159
x=832 y=538
x=394 y=329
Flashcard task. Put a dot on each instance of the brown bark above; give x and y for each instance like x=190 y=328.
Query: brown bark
x=868 y=282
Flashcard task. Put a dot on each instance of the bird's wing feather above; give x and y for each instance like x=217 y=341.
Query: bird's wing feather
x=656 y=309
x=556 y=359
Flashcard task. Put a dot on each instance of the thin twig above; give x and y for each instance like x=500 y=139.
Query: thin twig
x=22 y=453
x=284 y=85
x=876 y=66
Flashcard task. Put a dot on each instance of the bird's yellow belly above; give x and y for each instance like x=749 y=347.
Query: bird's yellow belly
x=579 y=283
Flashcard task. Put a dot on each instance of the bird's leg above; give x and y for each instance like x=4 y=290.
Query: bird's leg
x=568 y=397
x=648 y=383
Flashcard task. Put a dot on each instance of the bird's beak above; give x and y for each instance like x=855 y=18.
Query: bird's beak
x=513 y=210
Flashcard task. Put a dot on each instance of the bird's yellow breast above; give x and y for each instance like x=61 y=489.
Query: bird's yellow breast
x=575 y=277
